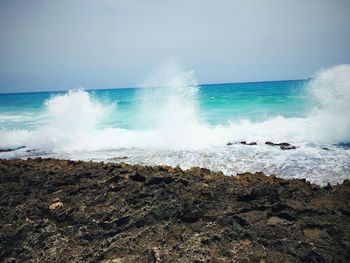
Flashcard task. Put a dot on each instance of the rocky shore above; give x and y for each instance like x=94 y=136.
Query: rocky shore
x=65 y=211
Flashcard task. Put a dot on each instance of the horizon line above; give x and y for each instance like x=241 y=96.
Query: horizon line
x=138 y=87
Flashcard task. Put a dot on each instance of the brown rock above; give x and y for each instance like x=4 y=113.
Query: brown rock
x=57 y=204
x=134 y=213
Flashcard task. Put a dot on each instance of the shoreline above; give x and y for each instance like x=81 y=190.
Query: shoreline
x=63 y=211
x=328 y=165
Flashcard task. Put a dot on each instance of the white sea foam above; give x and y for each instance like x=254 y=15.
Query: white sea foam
x=13 y=117
x=174 y=134
x=327 y=122
x=72 y=119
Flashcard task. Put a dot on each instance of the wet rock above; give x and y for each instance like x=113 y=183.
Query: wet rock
x=11 y=149
x=289 y=147
x=246 y=143
x=285 y=144
x=282 y=145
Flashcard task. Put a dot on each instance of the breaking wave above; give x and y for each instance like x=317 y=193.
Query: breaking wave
x=169 y=117
x=170 y=130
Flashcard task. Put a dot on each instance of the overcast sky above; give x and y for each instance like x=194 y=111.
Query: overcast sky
x=57 y=45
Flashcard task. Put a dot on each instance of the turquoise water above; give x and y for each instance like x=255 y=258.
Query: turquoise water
x=174 y=121
x=217 y=104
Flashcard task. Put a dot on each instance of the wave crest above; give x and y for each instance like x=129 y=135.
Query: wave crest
x=170 y=109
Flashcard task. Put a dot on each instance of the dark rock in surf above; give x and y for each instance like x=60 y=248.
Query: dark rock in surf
x=282 y=145
x=246 y=143
x=11 y=149
x=252 y=143
x=278 y=144
x=289 y=147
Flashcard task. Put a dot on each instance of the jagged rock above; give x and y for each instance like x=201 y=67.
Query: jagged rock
x=250 y=143
x=289 y=147
x=283 y=145
x=286 y=144
x=134 y=213
x=242 y=142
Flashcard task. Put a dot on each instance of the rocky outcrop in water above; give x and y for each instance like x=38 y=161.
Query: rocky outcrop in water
x=11 y=149
x=241 y=142
x=248 y=143
x=282 y=145
x=65 y=211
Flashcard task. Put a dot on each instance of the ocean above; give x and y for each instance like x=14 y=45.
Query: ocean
x=170 y=119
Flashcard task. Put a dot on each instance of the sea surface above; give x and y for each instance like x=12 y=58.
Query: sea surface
x=170 y=119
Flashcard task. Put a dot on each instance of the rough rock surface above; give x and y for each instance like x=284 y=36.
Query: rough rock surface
x=65 y=211
x=282 y=145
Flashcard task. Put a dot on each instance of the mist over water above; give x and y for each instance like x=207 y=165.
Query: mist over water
x=167 y=123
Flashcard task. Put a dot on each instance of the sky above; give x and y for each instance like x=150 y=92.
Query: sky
x=60 y=45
